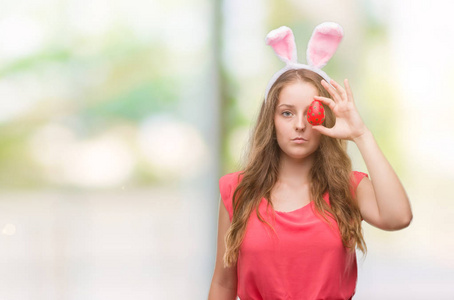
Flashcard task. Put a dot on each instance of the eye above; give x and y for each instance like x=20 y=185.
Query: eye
x=285 y=113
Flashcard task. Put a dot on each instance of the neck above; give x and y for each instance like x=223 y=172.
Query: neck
x=295 y=172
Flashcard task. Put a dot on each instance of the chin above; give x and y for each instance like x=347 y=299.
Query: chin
x=298 y=155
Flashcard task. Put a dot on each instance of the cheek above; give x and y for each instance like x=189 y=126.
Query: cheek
x=316 y=134
x=317 y=137
x=279 y=127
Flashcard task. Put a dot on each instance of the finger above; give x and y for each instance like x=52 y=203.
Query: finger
x=331 y=91
x=340 y=89
x=327 y=101
x=349 y=90
x=322 y=129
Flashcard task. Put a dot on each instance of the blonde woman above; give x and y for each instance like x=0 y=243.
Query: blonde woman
x=290 y=221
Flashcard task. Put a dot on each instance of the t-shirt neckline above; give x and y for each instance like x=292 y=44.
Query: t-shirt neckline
x=291 y=211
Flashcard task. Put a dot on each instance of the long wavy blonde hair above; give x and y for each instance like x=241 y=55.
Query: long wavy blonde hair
x=331 y=172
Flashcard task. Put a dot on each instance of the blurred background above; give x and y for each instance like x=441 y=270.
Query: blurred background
x=117 y=119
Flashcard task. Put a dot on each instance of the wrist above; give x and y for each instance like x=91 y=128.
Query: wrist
x=364 y=136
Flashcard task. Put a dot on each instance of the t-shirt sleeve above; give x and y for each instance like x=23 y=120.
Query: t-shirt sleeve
x=226 y=190
x=356 y=179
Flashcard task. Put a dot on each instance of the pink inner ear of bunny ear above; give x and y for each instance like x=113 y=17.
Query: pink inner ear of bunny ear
x=283 y=43
x=323 y=43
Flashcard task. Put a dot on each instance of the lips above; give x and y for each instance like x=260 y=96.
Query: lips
x=299 y=138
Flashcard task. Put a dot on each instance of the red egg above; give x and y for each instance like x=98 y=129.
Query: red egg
x=316 y=113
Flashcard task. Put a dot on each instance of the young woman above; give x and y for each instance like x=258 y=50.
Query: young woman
x=290 y=222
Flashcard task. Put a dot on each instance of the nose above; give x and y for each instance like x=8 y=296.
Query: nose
x=300 y=122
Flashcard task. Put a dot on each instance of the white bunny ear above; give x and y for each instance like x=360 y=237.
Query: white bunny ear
x=283 y=43
x=323 y=43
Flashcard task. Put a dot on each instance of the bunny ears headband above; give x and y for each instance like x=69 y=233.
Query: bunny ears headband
x=322 y=45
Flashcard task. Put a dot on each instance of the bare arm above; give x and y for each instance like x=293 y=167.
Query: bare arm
x=383 y=202
x=224 y=281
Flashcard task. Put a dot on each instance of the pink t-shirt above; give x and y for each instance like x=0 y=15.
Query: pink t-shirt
x=306 y=261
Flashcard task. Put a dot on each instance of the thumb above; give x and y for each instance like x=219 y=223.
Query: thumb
x=322 y=129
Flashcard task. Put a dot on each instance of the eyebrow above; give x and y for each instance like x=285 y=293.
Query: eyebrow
x=293 y=106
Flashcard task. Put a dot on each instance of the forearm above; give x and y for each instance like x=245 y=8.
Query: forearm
x=392 y=200
x=219 y=292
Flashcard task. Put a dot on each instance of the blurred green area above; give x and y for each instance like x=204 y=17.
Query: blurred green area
x=128 y=87
x=93 y=86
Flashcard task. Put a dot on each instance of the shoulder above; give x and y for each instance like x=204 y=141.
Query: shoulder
x=227 y=184
x=355 y=179
x=357 y=176
x=230 y=176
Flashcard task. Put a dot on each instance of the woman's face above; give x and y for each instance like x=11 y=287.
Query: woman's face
x=290 y=120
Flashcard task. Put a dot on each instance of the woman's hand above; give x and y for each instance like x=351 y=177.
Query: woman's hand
x=349 y=124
